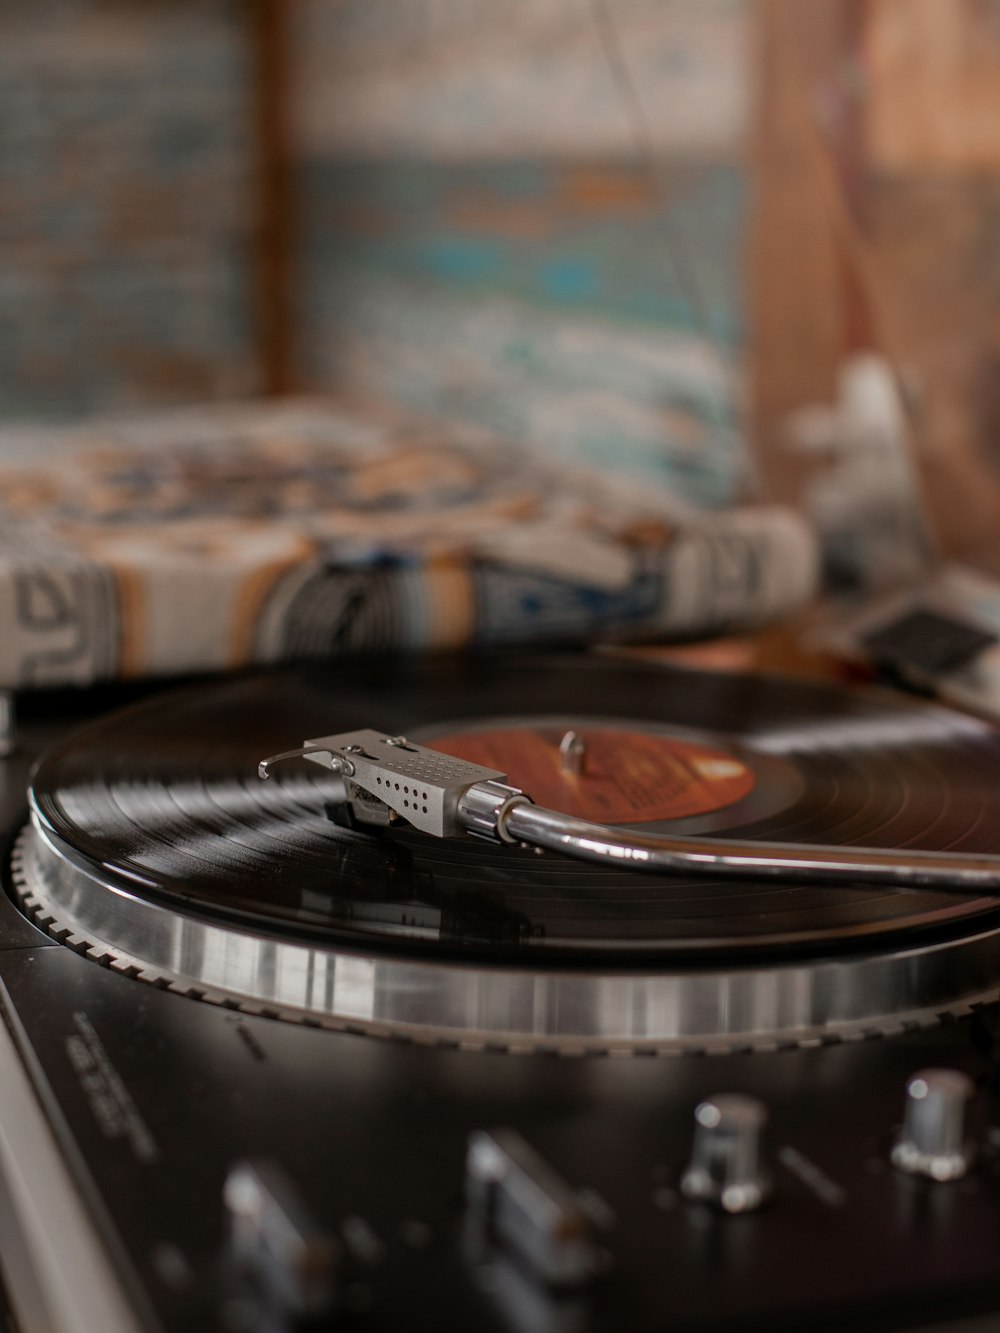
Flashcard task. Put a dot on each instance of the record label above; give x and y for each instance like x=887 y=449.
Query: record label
x=622 y=776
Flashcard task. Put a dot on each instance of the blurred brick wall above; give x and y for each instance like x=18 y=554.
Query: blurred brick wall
x=124 y=204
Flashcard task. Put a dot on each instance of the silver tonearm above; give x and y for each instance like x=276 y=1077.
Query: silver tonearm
x=390 y=779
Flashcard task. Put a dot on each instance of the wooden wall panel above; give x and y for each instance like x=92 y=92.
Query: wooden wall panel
x=934 y=75
x=931 y=216
x=877 y=211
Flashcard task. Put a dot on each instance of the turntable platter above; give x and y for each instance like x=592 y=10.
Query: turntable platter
x=156 y=847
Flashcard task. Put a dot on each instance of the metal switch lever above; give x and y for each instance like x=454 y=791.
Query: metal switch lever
x=522 y=1203
x=933 y=1142
x=727 y=1166
x=292 y=1264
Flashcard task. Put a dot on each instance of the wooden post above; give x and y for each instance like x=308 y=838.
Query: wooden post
x=275 y=229
x=799 y=316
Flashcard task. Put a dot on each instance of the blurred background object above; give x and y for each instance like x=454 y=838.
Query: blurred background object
x=732 y=248
x=533 y=217
x=877 y=342
x=536 y=216
x=127 y=205
x=878 y=183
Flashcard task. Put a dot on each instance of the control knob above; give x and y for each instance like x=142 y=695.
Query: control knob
x=932 y=1142
x=727 y=1166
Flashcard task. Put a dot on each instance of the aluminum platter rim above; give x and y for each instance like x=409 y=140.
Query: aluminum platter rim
x=567 y=1010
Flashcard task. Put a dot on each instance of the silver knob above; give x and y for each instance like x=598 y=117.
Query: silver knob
x=572 y=751
x=932 y=1142
x=727 y=1166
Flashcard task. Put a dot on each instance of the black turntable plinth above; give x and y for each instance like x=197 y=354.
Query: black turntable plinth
x=296 y=1071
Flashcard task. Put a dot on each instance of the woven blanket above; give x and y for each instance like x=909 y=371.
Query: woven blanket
x=214 y=538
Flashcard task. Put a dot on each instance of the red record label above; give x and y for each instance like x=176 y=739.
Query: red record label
x=623 y=777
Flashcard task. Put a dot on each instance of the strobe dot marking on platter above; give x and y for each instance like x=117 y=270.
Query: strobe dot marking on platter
x=155 y=845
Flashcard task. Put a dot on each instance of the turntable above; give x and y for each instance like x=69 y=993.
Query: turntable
x=567 y=993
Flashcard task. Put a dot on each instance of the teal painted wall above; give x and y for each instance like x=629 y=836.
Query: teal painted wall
x=497 y=228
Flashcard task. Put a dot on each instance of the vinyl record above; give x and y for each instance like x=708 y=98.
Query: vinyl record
x=163 y=801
